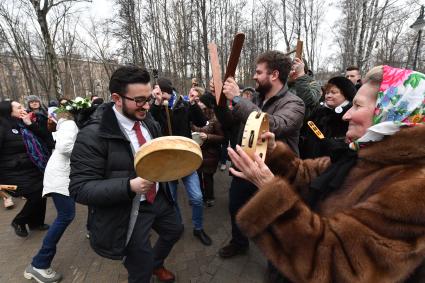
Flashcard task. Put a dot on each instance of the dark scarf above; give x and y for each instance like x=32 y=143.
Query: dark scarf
x=343 y=159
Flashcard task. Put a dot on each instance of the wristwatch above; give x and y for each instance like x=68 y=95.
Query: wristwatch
x=236 y=100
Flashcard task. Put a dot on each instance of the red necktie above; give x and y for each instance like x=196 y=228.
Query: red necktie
x=151 y=194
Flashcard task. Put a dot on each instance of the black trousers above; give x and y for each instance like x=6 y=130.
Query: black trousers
x=33 y=211
x=207 y=185
x=141 y=257
x=240 y=192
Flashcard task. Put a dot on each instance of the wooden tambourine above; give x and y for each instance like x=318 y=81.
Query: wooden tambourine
x=256 y=125
x=168 y=158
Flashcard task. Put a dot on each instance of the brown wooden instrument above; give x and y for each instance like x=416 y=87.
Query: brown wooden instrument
x=298 y=50
x=232 y=63
x=165 y=103
x=167 y=113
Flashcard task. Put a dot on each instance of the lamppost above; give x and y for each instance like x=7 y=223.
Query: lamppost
x=418 y=25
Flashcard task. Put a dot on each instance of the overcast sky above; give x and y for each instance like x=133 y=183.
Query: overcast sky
x=104 y=9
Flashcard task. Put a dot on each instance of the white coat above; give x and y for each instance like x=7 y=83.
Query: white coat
x=56 y=175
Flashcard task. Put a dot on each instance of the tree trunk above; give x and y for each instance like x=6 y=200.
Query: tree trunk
x=50 y=50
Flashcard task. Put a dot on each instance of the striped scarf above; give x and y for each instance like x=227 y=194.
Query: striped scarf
x=37 y=151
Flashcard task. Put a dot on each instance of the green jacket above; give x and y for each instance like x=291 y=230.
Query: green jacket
x=306 y=88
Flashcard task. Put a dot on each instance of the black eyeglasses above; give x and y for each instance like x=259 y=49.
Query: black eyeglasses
x=140 y=100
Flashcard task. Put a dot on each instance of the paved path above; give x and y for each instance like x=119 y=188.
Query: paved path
x=190 y=260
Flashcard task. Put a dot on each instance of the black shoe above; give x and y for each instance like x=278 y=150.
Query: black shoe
x=42 y=227
x=203 y=237
x=230 y=250
x=20 y=229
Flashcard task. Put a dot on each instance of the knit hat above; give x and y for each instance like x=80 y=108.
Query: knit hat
x=346 y=87
x=53 y=103
x=32 y=97
x=251 y=89
x=208 y=99
x=166 y=85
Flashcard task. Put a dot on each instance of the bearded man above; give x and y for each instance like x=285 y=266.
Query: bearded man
x=123 y=208
x=285 y=112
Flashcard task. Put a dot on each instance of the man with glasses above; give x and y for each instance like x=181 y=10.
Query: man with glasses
x=123 y=207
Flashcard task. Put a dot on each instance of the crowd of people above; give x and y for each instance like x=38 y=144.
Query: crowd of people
x=342 y=207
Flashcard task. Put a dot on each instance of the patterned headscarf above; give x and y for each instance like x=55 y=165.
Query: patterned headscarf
x=400 y=103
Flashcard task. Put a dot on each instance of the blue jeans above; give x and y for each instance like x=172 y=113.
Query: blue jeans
x=65 y=207
x=193 y=189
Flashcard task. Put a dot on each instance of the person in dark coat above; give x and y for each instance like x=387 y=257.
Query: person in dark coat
x=23 y=158
x=212 y=136
x=123 y=207
x=182 y=114
x=39 y=116
x=339 y=93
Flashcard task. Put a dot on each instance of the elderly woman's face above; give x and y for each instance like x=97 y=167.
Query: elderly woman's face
x=360 y=115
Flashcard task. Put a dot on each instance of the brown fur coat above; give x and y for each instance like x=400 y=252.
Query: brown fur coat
x=371 y=230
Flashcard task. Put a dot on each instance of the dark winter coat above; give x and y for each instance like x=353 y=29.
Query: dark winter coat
x=330 y=124
x=211 y=146
x=41 y=122
x=102 y=164
x=16 y=168
x=181 y=116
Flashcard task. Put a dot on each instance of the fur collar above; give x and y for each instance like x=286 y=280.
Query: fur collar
x=404 y=147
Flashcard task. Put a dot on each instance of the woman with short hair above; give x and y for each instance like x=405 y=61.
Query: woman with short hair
x=339 y=93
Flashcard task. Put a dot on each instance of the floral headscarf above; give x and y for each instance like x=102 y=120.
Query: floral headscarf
x=400 y=103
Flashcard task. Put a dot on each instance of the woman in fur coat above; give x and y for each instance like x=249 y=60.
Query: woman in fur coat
x=358 y=216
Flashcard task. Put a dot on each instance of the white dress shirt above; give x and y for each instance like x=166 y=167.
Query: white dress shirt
x=128 y=125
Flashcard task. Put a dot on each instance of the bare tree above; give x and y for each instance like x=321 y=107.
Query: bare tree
x=42 y=8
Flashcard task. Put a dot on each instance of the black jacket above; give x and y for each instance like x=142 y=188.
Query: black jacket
x=41 y=123
x=181 y=116
x=16 y=168
x=101 y=168
x=332 y=127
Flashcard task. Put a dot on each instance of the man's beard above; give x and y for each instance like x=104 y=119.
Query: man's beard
x=131 y=115
x=264 y=87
